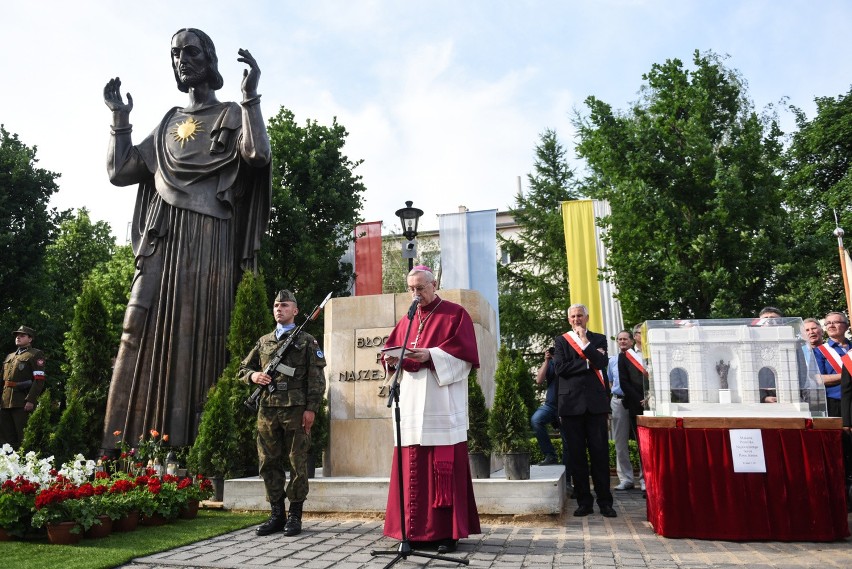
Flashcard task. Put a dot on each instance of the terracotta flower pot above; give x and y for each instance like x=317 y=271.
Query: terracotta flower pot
x=190 y=511
x=153 y=520
x=60 y=533
x=126 y=523
x=103 y=529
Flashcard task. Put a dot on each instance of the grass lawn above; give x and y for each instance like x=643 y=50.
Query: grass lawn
x=120 y=548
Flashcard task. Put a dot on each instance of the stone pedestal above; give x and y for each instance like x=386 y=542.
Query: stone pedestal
x=361 y=430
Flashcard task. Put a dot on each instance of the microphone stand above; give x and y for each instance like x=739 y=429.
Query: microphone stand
x=404 y=550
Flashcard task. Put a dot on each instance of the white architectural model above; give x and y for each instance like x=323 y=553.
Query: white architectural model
x=731 y=368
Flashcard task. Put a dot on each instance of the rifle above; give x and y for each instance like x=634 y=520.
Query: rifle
x=276 y=366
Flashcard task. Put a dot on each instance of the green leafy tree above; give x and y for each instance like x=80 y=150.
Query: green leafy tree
x=316 y=202
x=80 y=245
x=27 y=226
x=691 y=174
x=534 y=275
x=111 y=281
x=89 y=351
x=818 y=183
x=508 y=423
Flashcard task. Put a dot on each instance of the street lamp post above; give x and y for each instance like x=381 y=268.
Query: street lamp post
x=408 y=218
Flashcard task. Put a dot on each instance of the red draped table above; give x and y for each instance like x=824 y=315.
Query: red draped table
x=693 y=490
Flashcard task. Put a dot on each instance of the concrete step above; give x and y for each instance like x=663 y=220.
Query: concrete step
x=543 y=493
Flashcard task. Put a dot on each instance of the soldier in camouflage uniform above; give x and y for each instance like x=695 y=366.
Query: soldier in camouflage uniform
x=23 y=382
x=285 y=417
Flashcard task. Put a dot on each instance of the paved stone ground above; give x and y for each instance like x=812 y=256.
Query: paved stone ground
x=594 y=541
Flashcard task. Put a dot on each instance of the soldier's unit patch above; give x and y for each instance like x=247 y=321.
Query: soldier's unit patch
x=21 y=367
x=320 y=354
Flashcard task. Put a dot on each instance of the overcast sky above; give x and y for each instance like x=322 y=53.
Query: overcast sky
x=443 y=100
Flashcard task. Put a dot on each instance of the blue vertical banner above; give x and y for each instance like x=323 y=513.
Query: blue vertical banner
x=469 y=254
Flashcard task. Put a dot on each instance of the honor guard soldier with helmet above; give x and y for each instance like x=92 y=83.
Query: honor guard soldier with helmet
x=286 y=413
x=23 y=382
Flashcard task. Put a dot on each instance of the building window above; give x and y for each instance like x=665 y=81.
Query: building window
x=511 y=252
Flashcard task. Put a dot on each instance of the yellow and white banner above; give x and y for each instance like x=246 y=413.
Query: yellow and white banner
x=586 y=254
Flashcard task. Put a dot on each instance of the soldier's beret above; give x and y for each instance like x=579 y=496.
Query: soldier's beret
x=285 y=295
x=25 y=330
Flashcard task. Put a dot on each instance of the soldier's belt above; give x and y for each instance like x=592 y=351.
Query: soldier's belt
x=18 y=384
x=10 y=384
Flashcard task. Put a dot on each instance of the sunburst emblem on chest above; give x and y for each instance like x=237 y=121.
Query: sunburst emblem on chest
x=186 y=130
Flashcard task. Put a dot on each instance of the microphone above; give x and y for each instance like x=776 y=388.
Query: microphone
x=413 y=307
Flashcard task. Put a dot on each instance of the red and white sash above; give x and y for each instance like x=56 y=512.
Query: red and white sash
x=574 y=341
x=832 y=357
x=847 y=362
x=637 y=363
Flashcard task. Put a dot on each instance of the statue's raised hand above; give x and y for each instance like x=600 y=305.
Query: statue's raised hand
x=113 y=100
x=251 y=76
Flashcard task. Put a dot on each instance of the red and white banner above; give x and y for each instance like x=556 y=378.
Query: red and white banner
x=368 y=258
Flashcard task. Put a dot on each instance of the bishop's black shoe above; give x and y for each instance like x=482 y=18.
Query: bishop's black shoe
x=583 y=511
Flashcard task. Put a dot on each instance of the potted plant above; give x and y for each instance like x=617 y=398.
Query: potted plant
x=66 y=509
x=508 y=424
x=17 y=499
x=126 y=499
x=195 y=491
x=478 y=441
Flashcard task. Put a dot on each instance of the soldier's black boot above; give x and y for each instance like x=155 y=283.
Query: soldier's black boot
x=277 y=520
x=294 y=520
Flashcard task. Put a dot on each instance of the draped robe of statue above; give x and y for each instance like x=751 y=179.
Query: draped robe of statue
x=437 y=487
x=201 y=210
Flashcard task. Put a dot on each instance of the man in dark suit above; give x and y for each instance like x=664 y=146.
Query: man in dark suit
x=583 y=405
x=634 y=383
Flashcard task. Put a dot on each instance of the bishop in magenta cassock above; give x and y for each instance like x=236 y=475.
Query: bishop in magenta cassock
x=438 y=491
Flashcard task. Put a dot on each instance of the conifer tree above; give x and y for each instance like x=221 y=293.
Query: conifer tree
x=252 y=318
x=508 y=424
x=523 y=377
x=232 y=439
x=68 y=439
x=533 y=274
x=214 y=446
x=477 y=432
x=89 y=353
x=40 y=426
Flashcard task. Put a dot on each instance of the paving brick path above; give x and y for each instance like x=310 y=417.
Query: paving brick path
x=594 y=541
